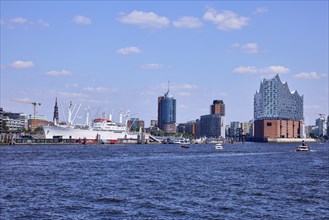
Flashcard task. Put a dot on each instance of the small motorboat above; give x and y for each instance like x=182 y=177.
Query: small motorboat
x=185 y=146
x=219 y=146
x=302 y=148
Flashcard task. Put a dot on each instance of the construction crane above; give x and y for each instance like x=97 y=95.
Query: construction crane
x=34 y=109
x=28 y=102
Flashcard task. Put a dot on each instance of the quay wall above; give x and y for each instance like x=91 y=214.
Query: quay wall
x=290 y=140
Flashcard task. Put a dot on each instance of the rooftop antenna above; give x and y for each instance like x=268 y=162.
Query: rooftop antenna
x=168 y=86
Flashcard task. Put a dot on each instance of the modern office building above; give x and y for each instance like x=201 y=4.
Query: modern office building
x=15 y=121
x=328 y=126
x=321 y=125
x=218 y=107
x=167 y=113
x=1 y=116
x=278 y=113
x=181 y=128
x=212 y=125
x=134 y=124
x=154 y=123
x=245 y=126
x=235 y=129
x=190 y=128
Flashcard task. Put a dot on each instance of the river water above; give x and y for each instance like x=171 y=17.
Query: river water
x=243 y=181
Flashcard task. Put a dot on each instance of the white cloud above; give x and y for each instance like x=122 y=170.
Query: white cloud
x=245 y=69
x=99 y=89
x=152 y=66
x=309 y=75
x=251 y=48
x=275 y=69
x=247 y=48
x=185 y=94
x=18 y=20
x=23 y=100
x=264 y=70
x=79 y=19
x=128 y=50
x=177 y=87
x=23 y=22
x=260 y=10
x=183 y=106
x=312 y=107
x=74 y=85
x=56 y=73
x=42 y=23
x=187 y=22
x=225 y=20
x=145 y=19
x=19 y=64
x=223 y=94
x=70 y=94
x=183 y=86
x=94 y=101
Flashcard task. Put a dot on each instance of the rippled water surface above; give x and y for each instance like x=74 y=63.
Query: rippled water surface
x=250 y=180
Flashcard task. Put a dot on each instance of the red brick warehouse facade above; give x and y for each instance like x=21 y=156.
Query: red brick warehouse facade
x=268 y=128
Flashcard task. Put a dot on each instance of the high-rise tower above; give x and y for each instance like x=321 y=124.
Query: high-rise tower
x=217 y=107
x=167 y=113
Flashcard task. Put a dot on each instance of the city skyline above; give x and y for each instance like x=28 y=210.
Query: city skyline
x=118 y=56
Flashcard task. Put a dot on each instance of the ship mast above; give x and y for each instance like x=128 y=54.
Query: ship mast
x=69 y=120
x=87 y=118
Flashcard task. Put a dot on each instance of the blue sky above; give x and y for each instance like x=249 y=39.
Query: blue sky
x=115 y=56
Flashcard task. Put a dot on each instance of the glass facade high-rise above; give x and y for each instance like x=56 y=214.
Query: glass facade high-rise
x=212 y=126
x=167 y=113
x=275 y=101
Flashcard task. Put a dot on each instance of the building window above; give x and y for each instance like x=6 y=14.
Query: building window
x=269 y=123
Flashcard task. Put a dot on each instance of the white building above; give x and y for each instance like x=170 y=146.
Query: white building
x=15 y=121
x=321 y=126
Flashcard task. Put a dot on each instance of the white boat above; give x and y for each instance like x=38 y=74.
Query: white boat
x=302 y=148
x=101 y=130
x=180 y=141
x=219 y=146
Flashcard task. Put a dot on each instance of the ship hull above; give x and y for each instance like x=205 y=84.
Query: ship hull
x=89 y=135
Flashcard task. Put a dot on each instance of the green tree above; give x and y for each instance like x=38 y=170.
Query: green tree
x=4 y=126
x=159 y=133
x=312 y=135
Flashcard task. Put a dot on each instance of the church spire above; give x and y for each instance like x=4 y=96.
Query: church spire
x=56 y=115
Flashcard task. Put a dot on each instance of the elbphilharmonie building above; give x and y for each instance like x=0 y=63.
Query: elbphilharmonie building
x=278 y=112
